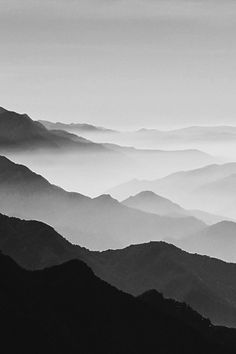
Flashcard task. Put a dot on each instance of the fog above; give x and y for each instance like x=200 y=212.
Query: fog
x=216 y=142
x=94 y=173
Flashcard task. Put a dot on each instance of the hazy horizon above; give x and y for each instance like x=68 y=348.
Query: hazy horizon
x=120 y=64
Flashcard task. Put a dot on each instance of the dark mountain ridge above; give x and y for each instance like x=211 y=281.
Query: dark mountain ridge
x=204 y=283
x=67 y=309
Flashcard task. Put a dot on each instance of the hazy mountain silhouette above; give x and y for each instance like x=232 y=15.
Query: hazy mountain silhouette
x=219 y=195
x=192 y=133
x=207 y=133
x=217 y=240
x=176 y=185
x=67 y=309
x=80 y=164
x=19 y=131
x=205 y=283
x=98 y=223
x=207 y=138
x=146 y=156
x=75 y=127
x=152 y=203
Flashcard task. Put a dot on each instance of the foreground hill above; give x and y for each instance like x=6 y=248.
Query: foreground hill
x=204 y=283
x=98 y=223
x=67 y=309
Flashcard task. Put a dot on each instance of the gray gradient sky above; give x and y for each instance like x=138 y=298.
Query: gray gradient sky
x=120 y=63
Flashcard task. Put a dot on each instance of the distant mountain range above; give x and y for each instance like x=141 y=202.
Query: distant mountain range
x=204 y=283
x=98 y=223
x=97 y=166
x=150 y=202
x=211 y=188
x=101 y=223
x=176 y=184
x=75 y=127
x=218 y=240
x=193 y=133
x=205 y=133
x=67 y=309
x=19 y=131
x=194 y=136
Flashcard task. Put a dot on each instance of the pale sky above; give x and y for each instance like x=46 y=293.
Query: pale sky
x=120 y=63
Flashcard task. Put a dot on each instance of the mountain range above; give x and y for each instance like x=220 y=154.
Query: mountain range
x=20 y=132
x=97 y=223
x=75 y=127
x=192 y=133
x=218 y=240
x=204 y=283
x=67 y=309
x=210 y=188
x=150 y=202
x=79 y=164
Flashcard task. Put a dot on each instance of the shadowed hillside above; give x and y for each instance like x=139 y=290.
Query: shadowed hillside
x=67 y=309
x=205 y=283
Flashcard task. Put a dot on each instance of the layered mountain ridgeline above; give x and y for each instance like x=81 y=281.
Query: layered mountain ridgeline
x=204 y=283
x=81 y=165
x=75 y=127
x=160 y=162
x=152 y=203
x=147 y=156
x=218 y=195
x=211 y=189
x=218 y=240
x=209 y=134
x=151 y=138
x=67 y=309
x=98 y=223
x=189 y=137
x=177 y=186
x=35 y=245
x=20 y=132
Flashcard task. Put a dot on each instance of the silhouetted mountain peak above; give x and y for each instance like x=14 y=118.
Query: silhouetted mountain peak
x=149 y=196
x=151 y=202
x=106 y=198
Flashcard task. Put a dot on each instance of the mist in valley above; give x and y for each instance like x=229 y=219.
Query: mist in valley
x=93 y=173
